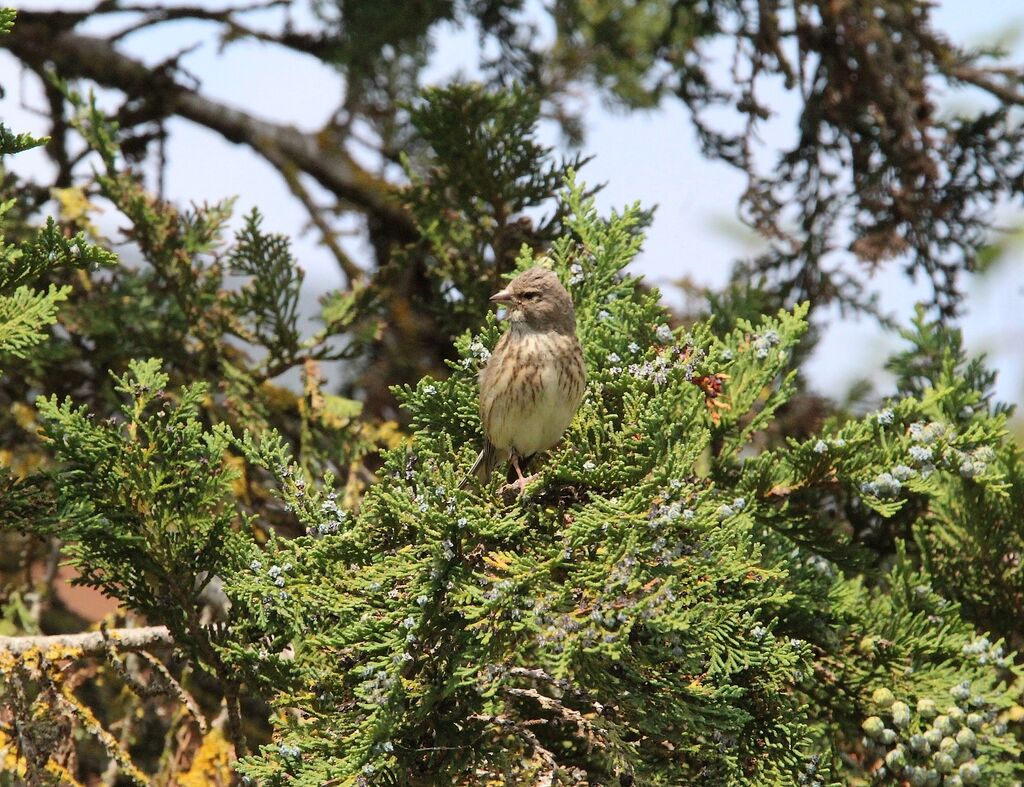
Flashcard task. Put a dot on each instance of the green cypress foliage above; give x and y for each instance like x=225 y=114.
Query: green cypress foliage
x=11 y=142
x=475 y=175
x=145 y=498
x=26 y=310
x=28 y=305
x=670 y=601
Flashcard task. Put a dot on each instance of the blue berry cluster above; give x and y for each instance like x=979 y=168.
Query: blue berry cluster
x=922 y=747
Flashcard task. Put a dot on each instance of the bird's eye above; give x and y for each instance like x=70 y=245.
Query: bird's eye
x=531 y=296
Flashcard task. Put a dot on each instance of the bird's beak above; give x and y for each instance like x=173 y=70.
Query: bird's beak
x=502 y=296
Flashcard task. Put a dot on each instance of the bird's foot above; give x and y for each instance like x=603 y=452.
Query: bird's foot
x=522 y=482
x=509 y=492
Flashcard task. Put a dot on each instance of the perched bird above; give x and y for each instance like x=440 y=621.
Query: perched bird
x=534 y=379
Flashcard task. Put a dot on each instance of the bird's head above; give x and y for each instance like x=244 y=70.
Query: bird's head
x=536 y=299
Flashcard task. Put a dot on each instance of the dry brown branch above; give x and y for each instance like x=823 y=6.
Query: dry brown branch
x=550 y=766
x=353 y=272
x=235 y=732
x=985 y=79
x=593 y=736
x=535 y=673
x=155 y=15
x=111 y=745
x=26 y=745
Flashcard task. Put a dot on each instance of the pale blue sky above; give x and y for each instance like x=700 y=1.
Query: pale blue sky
x=651 y=157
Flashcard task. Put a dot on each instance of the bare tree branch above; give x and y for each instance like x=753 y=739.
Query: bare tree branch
x=545 y=777
x=44 y=38
x=593 y=735
x=235 y=730
x=91 y=643
x=162 y=683
x=985 y=78
x=319 y=46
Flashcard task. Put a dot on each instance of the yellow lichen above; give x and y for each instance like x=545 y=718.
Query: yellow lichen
x=76 y=208
x=24 y=416
x=110 y=743
x=239 y=484
x=62 y=653
x=63 y=775
x=11 y=762
x=22 y=462
x=29 y=660
x=8 y=661
x=212 y=763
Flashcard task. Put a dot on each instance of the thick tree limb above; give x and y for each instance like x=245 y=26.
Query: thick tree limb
x=40 y=38
x=91 y=643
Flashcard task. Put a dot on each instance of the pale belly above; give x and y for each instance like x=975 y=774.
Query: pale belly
x=537 y=425
x=530 y=414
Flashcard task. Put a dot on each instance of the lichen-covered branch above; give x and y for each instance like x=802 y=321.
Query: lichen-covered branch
x=89 y=643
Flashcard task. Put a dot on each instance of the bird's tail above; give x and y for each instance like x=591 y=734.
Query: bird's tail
x=484 y=465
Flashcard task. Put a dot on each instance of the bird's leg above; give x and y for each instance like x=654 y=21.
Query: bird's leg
x=519 y=464
x=518 y=469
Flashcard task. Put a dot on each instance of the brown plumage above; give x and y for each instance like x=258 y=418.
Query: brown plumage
x=534 y=380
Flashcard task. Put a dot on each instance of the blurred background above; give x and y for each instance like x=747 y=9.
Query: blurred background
x=643 y=144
